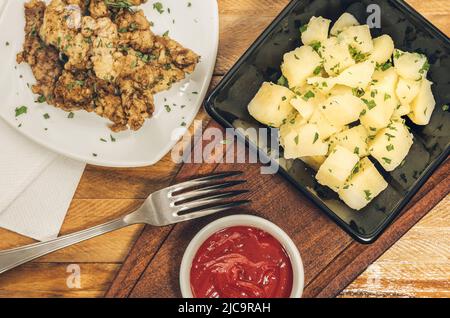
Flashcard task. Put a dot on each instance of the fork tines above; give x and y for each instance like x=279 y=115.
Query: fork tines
x=203 y=196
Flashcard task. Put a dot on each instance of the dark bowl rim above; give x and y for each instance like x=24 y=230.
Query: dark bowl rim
x=364 y=239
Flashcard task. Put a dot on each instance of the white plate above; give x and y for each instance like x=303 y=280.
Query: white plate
x=195 y=26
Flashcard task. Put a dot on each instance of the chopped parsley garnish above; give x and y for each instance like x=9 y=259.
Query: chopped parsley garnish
x=71 y=115
x=118 y=4
x=318 y=70
x=383 y=67
x=103 y=140
x=425 y=67
x=357 y=55
x=282 y=81
x=387 y=160
x=303 y=28
x=398 y=54
x=46 y=116
x=390 y=147
x=358 y=92
x=370 y=104
x=308 y=95
x=41 y=99
x=73 y=84
x=336 y=68
x=158 y=6
x=296 y=140
x=21 y=110
x=368 y=195
x=316 y=45
x=356 y=151
x=112 y=138
x=386 y=96
x=316 y=137
x=445 y=108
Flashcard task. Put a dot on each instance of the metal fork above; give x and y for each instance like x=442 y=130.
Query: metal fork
x=178 y=203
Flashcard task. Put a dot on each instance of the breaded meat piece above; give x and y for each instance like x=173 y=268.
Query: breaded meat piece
x=99 y=9
x=137 y=103
x=170 y=51
x=108 y=104
x=75 y=91
x=42 y=59
x=60 y=28
x=134 y=30
x=105 y=53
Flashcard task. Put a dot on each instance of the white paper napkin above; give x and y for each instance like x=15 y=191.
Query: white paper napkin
x=36 y=186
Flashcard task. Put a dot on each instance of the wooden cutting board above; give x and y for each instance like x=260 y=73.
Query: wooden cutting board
x=332 y=260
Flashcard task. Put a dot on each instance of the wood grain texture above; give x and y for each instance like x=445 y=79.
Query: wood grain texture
x=417 y=265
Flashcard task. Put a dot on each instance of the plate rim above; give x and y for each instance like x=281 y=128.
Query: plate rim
x=432 y=167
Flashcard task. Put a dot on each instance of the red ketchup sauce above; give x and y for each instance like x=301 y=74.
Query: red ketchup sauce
x=241 y=262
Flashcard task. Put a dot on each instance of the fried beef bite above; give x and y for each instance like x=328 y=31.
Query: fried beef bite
x=98 y=9
x=42 y=59
x=101 y=56
x=75 y=91
x=134 y=30
x=60 y=28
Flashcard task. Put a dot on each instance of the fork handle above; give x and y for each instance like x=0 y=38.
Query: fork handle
x=18 y=256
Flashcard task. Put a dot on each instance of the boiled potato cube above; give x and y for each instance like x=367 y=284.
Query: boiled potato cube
x=299 y=64
x=353 y=139
x=385 y=81
x=363 y=186
x=391 y=145
x=336 y=56
x=401 y=110
x=341 y=110
x=378 y=111
x=271 y=105
x=383 y=47
x=380 y=100
x=304 y=106
x=326 y=129
x=345 y=20
x=358 y=37
x=423 y=105
x=407 y=90
x=337 y=168
x=316 y=30
x=384 y=84
x=358 y=75
x=314 y=161
x=304 y=141
x=412 y=66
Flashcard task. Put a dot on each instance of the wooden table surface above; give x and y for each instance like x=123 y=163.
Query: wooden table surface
x=416 y=266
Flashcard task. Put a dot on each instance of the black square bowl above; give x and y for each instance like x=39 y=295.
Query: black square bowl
x=411 y=32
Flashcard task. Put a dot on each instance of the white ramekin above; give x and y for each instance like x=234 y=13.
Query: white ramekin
x=242 y=220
